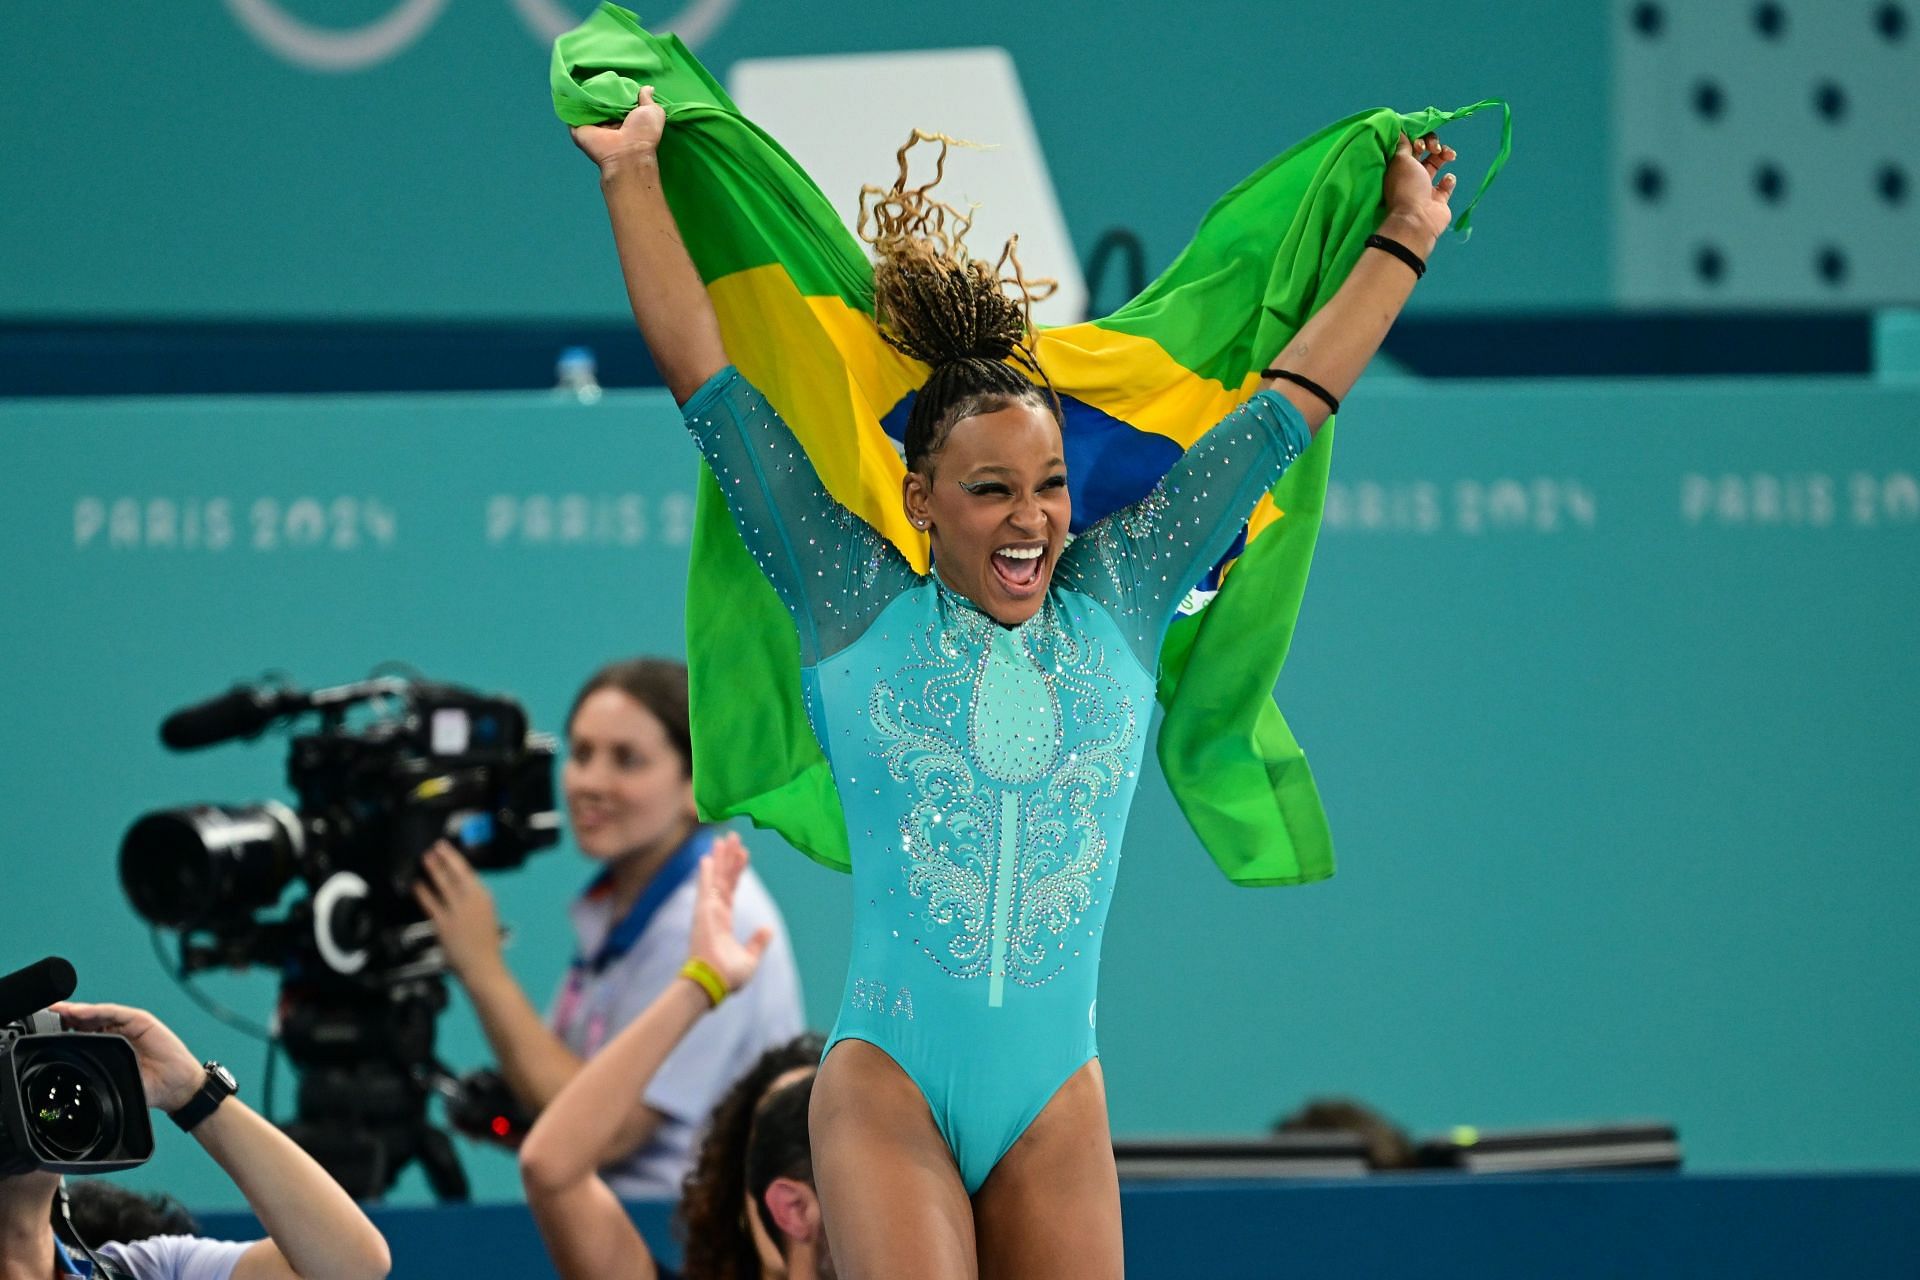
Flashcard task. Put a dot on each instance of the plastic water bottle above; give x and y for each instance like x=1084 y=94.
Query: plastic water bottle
x=576 y=376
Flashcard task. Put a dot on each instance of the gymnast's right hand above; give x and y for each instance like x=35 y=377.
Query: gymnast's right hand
x=635 y=137
x=712 y=938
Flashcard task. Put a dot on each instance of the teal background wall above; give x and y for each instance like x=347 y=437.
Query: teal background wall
x=160 y=162
x=1609 y=688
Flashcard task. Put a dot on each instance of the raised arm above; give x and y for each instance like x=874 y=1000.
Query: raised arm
x=586 y=1228
x=1337 y=342
x=315 y=1230
x=1143 y=559
x=832 y=570
x=669 y=301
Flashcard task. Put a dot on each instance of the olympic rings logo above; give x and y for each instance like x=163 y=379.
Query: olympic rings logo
x=349 y=49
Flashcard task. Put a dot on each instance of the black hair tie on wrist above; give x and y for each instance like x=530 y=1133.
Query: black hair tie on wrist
x=1401 y=252
x=1288 y=375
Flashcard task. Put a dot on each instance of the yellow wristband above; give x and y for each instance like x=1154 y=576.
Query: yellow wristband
x=706 y=977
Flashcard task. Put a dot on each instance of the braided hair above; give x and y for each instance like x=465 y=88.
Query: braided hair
x=936 y=304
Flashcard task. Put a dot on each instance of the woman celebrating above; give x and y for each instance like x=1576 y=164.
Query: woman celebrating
x=629 y=793
x=985 y=723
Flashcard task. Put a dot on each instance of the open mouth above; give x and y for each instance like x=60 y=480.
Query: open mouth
x=1018 y=567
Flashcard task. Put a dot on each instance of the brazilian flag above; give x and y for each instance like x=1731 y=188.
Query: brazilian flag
x=794 y=293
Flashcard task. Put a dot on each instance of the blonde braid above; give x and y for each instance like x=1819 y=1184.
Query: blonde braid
x=936 y=304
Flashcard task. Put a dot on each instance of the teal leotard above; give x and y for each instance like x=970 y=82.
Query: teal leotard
x=985 y=770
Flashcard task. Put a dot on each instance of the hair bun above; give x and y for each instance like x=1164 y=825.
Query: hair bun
x=968 y=322
x=932 y=300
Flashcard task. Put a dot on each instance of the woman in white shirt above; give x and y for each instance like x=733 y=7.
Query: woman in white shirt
x=628 y=786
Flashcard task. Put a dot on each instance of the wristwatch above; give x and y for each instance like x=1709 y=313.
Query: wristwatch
x=220 y=1086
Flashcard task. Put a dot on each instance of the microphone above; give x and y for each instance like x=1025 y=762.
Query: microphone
x=27 y=991
x=241 y=712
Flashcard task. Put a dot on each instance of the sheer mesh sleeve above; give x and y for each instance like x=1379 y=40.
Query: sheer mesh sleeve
x=832 y=570
x=1142 y=560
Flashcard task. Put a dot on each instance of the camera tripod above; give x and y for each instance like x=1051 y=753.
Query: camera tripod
x=367 y=1074
x=362 y=1048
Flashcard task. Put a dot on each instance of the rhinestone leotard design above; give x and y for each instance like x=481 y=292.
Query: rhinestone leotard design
x=985 y=771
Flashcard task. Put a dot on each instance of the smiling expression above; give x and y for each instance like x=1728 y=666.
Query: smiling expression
x=994 y=504
x=628 y=788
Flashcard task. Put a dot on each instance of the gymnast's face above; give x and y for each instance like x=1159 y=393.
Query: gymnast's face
x=994 y=502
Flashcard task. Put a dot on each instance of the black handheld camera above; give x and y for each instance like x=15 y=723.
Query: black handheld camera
x=70 y=1101
x=361 y=971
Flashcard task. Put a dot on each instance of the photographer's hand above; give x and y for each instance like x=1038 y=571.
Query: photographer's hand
x=169 y=1073
x=535 y=1062
x=461 y=909
x=315 y=1230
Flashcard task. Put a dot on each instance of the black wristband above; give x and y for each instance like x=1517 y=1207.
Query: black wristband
x=1288 y=375
x=216 y=1089
x=1399 y=251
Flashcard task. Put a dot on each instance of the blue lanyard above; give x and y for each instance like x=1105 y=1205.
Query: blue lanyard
x=674 y=873
x=64 y=1263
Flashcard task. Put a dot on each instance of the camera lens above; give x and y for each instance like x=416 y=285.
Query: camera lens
x=67 y=1109
x=181 y=867
x=80 y=1100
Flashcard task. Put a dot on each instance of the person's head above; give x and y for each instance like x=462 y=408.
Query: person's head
x=752 y=1177
x=104 y=1212
x=780 y=1171
x=628 y=777
x=1388 y=1147
x=101 y=1212
x=986 y=466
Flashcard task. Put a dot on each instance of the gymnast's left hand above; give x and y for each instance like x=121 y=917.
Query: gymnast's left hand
x=461 y=908
x=1416 y=192
x=713 y=938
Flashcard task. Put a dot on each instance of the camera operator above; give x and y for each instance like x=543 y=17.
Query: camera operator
x=315 y=1232
x=628 y=786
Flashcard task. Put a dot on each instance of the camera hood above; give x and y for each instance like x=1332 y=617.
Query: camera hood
x=71 y=1102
